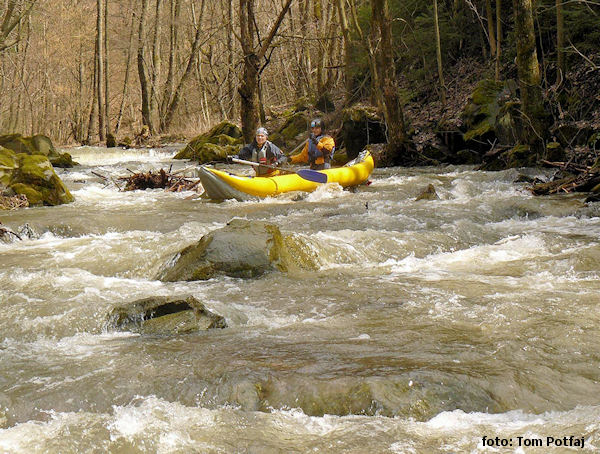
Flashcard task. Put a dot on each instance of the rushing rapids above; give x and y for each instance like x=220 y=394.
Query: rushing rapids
x=429 y=324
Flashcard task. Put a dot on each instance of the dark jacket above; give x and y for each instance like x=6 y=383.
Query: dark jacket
x=274 y=156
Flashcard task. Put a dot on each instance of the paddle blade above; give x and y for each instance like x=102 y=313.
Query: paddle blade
x=313 y=175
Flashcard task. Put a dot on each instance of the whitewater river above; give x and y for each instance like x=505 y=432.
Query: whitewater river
x=429 y=326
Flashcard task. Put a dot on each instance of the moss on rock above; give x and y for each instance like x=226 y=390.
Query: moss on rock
x=243 y=249
x=208 y=152
x=469 y=157
x=37 y=145
x=520 y=156
x=555 y=152
x=292 y=131
x=35 y=178
x=222 y=140
x=8 y=163
x=490 y=111
x=361 y=125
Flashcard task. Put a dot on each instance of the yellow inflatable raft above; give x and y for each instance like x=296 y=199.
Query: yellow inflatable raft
x=221 y=185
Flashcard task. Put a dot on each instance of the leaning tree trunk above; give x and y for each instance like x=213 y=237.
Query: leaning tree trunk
x=533 y=128
x=191 y=61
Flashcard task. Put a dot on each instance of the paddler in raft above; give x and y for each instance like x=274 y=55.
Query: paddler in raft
x=319 y=148
x=263 y=152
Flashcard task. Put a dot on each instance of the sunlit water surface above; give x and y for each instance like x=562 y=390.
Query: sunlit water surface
x=429 y=325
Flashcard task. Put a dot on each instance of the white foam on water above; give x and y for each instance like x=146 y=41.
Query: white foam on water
x=78 y=346
x=153 y=424
x=395 y=180
x=111 y=197
x=94 y=156
x=327 y=192
x=475 y=259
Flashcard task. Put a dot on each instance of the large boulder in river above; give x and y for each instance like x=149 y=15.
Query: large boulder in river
x=37 y=145
x=215 y=145
x=32 y=176
x=242 y=248
x=164 y=315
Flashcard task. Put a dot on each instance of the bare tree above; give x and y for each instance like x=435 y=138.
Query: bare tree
x=16 y=12
x=560 y=39
x=340 y=4
x=528 y=68
x=141 y=65
x=490 y=24
x=253 y=65
x=191 y=61
x=387 y=91
x=438 y=48
x=498 y=37
x=100 y=65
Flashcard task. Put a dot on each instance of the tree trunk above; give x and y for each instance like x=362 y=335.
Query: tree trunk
x=532 y=106
x=172 y=108
x=11 y=19
x=141 y=62
x=490 y=24
x=100 y=63
x=94 y=106
x=175 y=8
x=389 y=101
x=252 y=57
x=106 y=93
x=230 y=73
x=79 y=128
x=305 y=62
x=156 y=64
x=560 y=40
x=438 y=48
x=498 y=37
x=127 y=72
x=340 y=4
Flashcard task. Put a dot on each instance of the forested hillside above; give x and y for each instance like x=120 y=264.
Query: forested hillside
x=445 y=77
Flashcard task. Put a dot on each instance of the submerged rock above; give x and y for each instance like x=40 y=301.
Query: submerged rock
x=241 y=249
x=7 y=235
x=164 y=315
x=428 y=194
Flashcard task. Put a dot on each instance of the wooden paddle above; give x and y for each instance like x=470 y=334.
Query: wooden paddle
x=308 y=174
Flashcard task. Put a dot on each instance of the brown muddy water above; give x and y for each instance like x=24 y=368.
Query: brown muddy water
x=430 y=324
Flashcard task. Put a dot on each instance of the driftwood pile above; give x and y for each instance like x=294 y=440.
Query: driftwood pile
x=12 y=202
x=162 y=179
x=572 y=177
